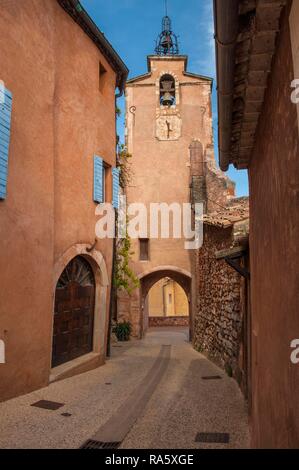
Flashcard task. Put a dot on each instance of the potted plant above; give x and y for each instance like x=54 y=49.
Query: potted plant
x=122 y=330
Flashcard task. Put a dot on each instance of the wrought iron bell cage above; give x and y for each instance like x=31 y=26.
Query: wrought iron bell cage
x=167 y=41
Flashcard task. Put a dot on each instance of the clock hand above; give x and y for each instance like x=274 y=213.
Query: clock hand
x=168 y=129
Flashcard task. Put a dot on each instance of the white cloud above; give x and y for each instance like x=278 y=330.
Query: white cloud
x=206 y=53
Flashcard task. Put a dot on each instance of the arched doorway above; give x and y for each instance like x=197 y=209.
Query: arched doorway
x=73 y=312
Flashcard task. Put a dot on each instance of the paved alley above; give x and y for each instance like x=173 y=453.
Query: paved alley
x=150 y=394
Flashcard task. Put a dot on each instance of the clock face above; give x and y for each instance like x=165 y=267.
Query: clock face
x=168 y=128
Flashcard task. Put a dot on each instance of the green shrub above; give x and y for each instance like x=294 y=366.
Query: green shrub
x=123 y=331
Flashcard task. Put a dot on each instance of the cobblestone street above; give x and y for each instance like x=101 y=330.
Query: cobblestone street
x=150 y=394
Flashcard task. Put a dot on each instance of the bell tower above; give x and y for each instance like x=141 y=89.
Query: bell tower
x=167 y=109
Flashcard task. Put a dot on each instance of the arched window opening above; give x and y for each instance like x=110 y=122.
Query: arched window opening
x=167 y=91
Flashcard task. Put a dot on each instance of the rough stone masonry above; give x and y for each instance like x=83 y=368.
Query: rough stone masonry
x=218 y=329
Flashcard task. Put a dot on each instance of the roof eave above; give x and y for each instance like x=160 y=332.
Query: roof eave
x=200 y=77
x=167 y=57
x=138 y=78
x=232 y=252
x=238 y=41
x=226 y=31
x=82 y=18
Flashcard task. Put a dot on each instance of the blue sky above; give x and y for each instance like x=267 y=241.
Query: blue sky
x=132 y=27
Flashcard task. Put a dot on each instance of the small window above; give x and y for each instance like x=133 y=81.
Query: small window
x=170 y=298
x=102 y=180
x=144 y=249
x=107 y=179
x=102 y=77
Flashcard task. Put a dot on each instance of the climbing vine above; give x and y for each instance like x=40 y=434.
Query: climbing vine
x=118 y=111
x=124 y=277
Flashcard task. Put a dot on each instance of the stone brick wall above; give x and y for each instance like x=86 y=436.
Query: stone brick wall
x=168 y=321
x=128 y=309
x=217 y=328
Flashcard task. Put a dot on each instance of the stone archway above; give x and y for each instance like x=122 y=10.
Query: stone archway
x=149 y=279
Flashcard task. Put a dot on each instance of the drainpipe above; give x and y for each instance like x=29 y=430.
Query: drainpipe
x=112 y=299
x=113 y=293
x=226 y=14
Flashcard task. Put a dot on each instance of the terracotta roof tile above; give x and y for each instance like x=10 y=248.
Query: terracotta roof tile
x=237 y=210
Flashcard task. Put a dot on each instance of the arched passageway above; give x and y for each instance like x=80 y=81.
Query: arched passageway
x=149 y=280
x=167 y=299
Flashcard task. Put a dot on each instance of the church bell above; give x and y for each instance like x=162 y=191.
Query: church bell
x=167 y=98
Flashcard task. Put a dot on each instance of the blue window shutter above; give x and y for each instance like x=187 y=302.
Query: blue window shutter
x=5 y=121
x=115 y=187
x=98 y=185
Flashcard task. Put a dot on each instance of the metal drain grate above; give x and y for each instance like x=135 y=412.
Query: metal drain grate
x=48 y=405
x=91 y=444
x=212 y=437
x=211 y=377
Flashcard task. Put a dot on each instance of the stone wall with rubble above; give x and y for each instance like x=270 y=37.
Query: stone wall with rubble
x=220 y=188
x=209 y=185
x=168 y=321
x=217 y=319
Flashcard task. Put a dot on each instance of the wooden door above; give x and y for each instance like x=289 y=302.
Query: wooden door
x=74 y=312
